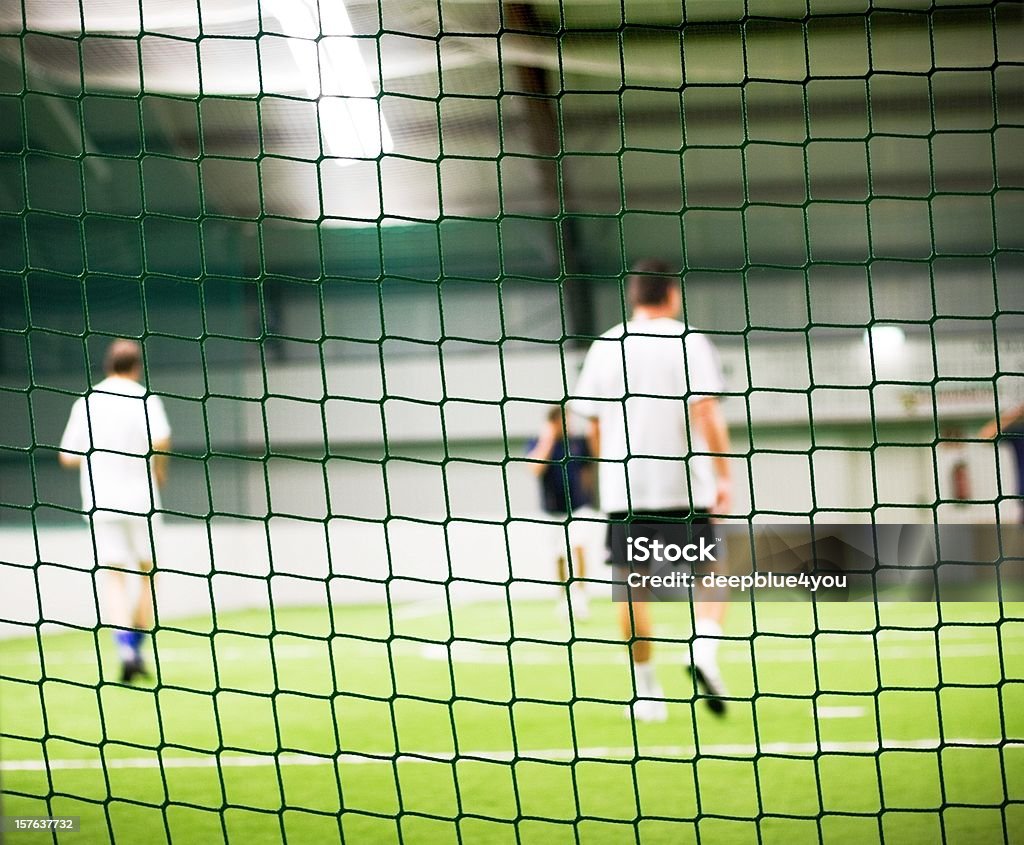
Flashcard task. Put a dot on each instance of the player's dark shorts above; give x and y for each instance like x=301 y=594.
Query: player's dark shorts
x=667 y=527
x=631 y=537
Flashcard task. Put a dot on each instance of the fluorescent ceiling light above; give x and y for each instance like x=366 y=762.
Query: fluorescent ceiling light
x=334 y=75
x=884 y=339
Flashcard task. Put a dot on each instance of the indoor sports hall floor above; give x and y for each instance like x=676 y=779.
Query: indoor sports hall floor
x=495 y=723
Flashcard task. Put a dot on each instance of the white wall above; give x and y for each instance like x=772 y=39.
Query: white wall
x=251 y=564
x=495 y=393
x=328 y=539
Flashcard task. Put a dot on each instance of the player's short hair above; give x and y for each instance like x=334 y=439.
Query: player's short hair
x=123 y=357
x=555 y=413
x=650 y=283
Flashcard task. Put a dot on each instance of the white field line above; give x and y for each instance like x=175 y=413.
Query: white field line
x=680 y=752
x=839 y=712
x=534 y=653
x=466 y=652
x=415 y=610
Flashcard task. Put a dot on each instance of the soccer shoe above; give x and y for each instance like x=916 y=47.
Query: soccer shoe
x=132 y=669
x=647 y=710
x=709 y=685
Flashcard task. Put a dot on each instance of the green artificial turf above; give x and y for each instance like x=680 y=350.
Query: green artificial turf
x=496 y=723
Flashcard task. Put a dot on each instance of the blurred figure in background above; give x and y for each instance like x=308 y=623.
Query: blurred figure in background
x=1009 y=428
x=114 y=437
x=650 y=389
x=566 y=489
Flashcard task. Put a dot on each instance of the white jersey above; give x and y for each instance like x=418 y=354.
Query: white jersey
x=637 y=381
x=116 y=424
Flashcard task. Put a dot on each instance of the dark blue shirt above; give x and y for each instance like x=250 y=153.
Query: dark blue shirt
x=562 y=485
x=1014 y=436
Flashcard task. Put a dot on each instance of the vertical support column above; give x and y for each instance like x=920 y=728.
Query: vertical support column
x=542 y=121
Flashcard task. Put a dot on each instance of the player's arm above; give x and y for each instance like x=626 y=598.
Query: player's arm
x=707 y=419
x=160 y=438
x=160 y=458
x=545 y=445
x=594 y=437
x=75 y=439
x=589 y=388
x=1001 y=423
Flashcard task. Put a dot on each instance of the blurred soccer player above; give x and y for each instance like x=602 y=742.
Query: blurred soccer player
x=565 y=490
x=649 y=388
x=1010 y=427
x=114 y=436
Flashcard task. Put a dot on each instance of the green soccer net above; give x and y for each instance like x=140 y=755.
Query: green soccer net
x=365 y=246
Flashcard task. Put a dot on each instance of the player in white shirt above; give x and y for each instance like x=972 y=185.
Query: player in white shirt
x=649 y=388
x=114 y=436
